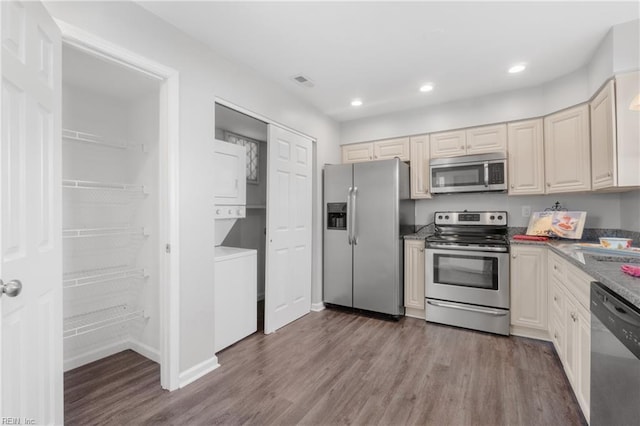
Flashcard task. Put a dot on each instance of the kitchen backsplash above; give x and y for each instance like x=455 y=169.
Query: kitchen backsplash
x=608 y=211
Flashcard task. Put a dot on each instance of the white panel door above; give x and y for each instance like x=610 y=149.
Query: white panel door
x=30 y=216
x=288 y=274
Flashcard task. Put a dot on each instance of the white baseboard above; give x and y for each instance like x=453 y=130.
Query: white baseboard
x=146 y=351
x=317 y=307
x=531 y=333
x=414 y=313
x=197 y=371
x=96 y=354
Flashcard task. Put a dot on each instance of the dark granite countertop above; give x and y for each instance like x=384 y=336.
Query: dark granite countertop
x=605 y=269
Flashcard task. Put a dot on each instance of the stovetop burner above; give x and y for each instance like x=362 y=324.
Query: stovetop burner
x=471 y=228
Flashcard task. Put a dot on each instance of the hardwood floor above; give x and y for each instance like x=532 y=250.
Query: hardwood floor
x=332 y=367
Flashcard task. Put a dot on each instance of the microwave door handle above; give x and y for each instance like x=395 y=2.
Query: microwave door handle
x=349 y=215
x=354 y=227
x=486 y=173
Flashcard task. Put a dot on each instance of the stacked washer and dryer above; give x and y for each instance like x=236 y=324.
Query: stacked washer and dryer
x=235 y=290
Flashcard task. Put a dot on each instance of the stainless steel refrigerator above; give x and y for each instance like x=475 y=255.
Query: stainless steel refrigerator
x=367 y=210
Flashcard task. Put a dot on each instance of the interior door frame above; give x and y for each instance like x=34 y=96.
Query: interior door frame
x=316 y=217
x=169 y=136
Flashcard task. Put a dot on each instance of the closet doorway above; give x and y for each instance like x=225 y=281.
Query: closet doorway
x=119 y=159
x=278 y=221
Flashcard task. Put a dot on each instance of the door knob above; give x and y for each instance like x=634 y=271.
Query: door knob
x=11 y=289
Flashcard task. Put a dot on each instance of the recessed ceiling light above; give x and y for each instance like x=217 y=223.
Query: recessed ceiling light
x=427 y=87
x=517 y=68
x=356 y=102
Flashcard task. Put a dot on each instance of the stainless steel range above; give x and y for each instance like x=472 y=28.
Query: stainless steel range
x=467 y=271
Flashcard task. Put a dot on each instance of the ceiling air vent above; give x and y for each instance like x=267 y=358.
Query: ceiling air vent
x=302 y=80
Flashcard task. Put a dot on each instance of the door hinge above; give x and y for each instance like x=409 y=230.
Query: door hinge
x=167 y=248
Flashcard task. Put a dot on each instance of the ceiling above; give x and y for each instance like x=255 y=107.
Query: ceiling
x=382 y=52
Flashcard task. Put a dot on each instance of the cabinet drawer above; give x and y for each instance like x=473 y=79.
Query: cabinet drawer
x=579 y=285
x=556 y=300
x=556 y=267
x=557 y=333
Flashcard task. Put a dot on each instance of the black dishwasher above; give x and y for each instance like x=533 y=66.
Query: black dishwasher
x=615 y=359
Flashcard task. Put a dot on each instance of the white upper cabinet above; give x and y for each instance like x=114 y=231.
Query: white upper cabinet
x=482 y=140
x=567 y=150
x=526 y=157
x=357 y=152
x=420 y=167
x=378 y=150
x=448 y=144
x=627 y=128
x=476 y=140
x=603 y=138
x=391 y=148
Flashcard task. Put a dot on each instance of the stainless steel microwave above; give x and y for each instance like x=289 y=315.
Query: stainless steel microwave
x=469 y=173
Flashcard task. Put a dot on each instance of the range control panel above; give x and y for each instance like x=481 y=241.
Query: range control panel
x=497 y=218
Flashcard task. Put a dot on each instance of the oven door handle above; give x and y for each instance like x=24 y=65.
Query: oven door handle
x=468 y=248
x=494 y=312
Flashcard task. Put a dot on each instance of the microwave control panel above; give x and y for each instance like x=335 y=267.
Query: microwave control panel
x=496 y=173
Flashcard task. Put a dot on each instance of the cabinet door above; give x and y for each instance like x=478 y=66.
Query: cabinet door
x=391 y=148
x=357 y=152
x=481 y=140
x=529 y=287
x=420 y=167
x=448 y=144
x=567 y=150
x=526 y=157
x=583 y=363
x=570 y=356
x=414 y=274
x=603 y=139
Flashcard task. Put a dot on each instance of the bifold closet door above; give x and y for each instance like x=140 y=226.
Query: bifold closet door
x=289 y=208
x=30 y=217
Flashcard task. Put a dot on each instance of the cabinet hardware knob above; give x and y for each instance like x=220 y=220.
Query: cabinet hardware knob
x=548 y=184
x=555 y=335
x=609 y=174
x=514 y=256
x=462 y=147
x=421 y=250
x=512 y=186
x=555 y=298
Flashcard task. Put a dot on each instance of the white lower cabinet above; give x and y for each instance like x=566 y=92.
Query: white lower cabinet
x=570 y=325
x=414 y=278
x=529 y=291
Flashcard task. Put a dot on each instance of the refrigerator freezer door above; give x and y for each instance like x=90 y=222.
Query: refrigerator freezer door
x=376 y=273
x=337 y=268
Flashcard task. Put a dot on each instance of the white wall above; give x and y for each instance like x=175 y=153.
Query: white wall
x=630 y=211
x=203 y=76
x=626 y=46
x=603 y=210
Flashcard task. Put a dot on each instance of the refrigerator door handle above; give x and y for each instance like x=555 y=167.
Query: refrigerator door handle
x=349 y=215
x=354 y=205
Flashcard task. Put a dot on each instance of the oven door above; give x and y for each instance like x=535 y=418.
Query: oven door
x=475 y=277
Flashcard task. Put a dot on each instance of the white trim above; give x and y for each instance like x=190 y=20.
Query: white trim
x=96 y=354
x=317 y=307
x=168 y=187
x=145 y=350
x=198 y=370
x=531 y=333
x=260 y=117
